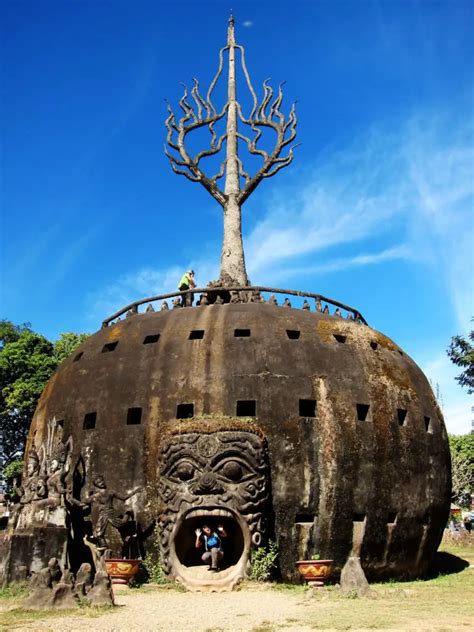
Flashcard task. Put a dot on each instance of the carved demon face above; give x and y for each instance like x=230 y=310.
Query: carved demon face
x=221 y=476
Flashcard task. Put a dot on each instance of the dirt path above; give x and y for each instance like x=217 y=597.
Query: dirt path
x=438 y=605
x=175 y=612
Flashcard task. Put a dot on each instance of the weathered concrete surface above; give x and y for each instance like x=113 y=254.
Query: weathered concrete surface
x=378 y=488
x=353 y=579
x=28 y=550
x=101 y=593
x=56 y=589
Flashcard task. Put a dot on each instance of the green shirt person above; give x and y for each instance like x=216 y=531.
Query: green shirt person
x=187 y=282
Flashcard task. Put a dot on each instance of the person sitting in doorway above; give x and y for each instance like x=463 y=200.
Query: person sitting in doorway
x=212 y=542
x=187 y=282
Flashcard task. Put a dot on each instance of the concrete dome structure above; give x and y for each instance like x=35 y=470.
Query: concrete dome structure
x=280 y=423
x=353 y=450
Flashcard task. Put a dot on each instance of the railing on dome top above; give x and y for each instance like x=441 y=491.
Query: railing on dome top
x=254 y=295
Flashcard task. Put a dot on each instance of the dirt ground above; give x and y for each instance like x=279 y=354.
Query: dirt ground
x=176 y=611
x=266 y=609
x=439 y=604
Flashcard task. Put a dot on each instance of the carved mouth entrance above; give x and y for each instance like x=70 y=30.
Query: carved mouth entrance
x=188 y=564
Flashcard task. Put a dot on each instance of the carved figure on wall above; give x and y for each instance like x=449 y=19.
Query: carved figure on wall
x=41 y=490
x=27 y=490
x=57 y=476
x=56 y=462
x=103 y=499
x=223 y=473
x=44 y=480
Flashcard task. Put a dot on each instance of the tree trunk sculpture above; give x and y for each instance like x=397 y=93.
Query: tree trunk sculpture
x=238 y=183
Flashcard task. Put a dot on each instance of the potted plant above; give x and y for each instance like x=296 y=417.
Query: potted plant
x=315 y=571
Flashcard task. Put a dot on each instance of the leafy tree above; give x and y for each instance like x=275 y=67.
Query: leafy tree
x=66 y=345
x=11 y=472
x=462 y=466
x=461 y=353
x=27 y=361
x=10 y=332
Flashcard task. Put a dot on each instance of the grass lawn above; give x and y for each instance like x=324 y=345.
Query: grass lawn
x=443 y=602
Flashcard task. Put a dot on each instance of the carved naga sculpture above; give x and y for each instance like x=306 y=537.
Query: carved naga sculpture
x=238 y=183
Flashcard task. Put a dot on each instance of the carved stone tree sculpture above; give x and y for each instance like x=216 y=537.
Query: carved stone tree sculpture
x=238 y=183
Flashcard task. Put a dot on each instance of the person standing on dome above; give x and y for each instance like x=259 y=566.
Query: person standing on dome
x=187 y=282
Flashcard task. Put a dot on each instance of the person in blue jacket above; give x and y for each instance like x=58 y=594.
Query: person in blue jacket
x=212 y=543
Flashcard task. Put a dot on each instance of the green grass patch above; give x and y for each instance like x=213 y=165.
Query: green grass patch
x=20 y=616
x=15 y=590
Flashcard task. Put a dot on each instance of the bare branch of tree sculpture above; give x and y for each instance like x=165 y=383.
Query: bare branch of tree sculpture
x=239 y=184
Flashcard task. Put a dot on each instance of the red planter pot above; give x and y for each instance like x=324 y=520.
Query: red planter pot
x=121 y=571
x=315 y=572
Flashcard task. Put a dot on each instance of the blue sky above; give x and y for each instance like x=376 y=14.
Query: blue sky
x=376 y=210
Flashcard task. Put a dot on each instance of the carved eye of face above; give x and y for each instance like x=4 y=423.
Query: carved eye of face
x=185 y=471
x=232 y=470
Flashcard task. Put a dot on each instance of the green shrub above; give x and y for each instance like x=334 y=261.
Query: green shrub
x=263 y=562
x=154 y=569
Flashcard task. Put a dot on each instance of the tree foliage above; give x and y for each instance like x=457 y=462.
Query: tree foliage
x=27 y=361
x=66 y=345
x=461 y=353
x=462 y=467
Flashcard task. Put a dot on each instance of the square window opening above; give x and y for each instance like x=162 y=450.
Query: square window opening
x=110 y=346
x=184 y=411
x=89 y=421
x=307 y=408
x=293 y=334
x=151 y=339
x=428 y=424
x=392 y=517
x=363 y=412
x=242 y=333
x=78 y=356
x=374 y=345
x=340 y=338
x=358 y=517
x=401 y=416
x=134 y=416
x=196 y=334
x=246 y=408
x=304 y=518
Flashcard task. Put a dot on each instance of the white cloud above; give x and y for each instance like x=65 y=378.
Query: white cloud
x=410 y=189
x=420 y=177
x=247 y=23
x=442 y=176
x=144 y=283
x=335 y=265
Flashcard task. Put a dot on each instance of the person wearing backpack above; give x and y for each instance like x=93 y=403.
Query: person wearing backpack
x=212 y=543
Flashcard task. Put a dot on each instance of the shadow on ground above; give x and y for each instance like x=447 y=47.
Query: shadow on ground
x=445 y=564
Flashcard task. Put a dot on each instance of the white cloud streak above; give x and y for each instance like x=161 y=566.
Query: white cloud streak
x=144 y=283
x=413 y=185
x=419 y=177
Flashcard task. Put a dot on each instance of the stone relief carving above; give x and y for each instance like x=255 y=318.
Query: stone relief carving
x=227 y=469
x=26 y=491
x=103 y=500
x=43 y=486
